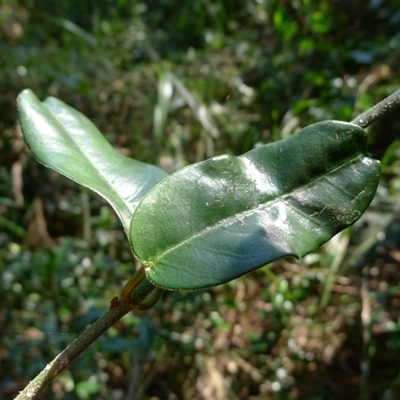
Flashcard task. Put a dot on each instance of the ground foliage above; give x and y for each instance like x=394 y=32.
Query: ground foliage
x=173 y=83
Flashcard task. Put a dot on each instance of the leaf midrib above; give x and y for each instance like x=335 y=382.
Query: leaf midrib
x=112 y=154
x=247 y=212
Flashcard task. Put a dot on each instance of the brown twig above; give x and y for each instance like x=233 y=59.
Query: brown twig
x=379 y=110
x=81 y=343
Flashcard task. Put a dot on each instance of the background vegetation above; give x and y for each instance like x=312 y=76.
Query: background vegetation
x=173 y=83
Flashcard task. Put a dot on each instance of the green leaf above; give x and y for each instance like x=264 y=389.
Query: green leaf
x=219 y=219
x=65 y=140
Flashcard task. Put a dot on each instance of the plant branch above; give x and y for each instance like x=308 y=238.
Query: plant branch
x=117 y=310
x=378 y=111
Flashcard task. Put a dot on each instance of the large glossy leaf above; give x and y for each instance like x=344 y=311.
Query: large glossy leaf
x=221 y=218
x=65 y=140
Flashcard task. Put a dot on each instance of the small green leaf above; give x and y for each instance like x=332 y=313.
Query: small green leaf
x=65 y=140
x=219 y=219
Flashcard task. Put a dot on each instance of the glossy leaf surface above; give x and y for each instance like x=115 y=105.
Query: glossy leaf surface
x=216 y=220
x=63 y=139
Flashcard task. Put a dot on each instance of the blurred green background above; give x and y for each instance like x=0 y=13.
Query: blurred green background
x=172 y=83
